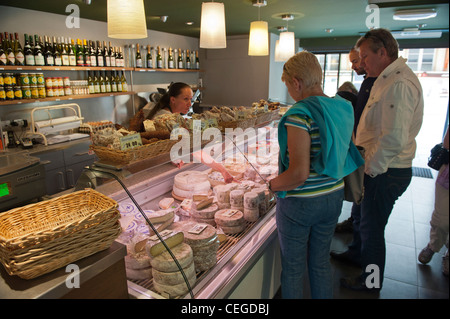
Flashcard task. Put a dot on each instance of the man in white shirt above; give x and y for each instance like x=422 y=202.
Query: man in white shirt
x=387 y=130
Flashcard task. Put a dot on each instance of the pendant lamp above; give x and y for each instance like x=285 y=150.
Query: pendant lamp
x=286 y=44
x=212 y=26
x=126 y=19
x=258 y=44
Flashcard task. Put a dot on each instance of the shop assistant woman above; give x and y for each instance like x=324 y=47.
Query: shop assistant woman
x=316 y=152
x=177 y=99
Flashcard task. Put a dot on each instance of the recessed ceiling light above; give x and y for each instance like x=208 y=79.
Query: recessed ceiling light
x=189 y=23
x=329 y=30
x=414 y=14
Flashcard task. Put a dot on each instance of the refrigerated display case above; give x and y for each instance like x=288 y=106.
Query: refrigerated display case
x=248 y=263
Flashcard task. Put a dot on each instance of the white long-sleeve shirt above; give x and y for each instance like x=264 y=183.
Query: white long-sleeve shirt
x=391 y=119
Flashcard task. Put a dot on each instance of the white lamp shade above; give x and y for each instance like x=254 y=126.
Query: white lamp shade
x=258 y=44
x=212 y=26
x=286 y=46
x=126 y=19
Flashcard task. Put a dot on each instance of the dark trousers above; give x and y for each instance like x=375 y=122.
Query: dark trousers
x=371 y=216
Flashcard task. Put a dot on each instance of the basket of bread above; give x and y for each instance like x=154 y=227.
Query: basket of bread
x=39 y=238
x=265 y=111
x=155 y=136
x=229 y=117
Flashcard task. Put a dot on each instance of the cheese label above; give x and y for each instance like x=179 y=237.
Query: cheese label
x=240 y=115
x=164 y=233
x=197 y=229
x=230 y=212
x=130 y=141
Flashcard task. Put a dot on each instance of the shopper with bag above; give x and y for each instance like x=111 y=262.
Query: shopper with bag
x=440 y=218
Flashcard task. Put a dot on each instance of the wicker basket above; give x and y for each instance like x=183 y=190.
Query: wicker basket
x=135 y=154
x=243 y=124
x=263 y=118
x=39 y=238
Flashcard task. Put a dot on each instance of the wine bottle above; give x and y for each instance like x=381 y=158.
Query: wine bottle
x=197 y=61
x=170 y=61
x=159 y=61
x=92 y=53
x=91 y=83
x=87 y=58
x=72 y=52
x=124 y=83
x=57 y=52
x=113 y=83
x=102 y=83
x=138 y=57
x=9 y=50
x=100 y=58
x=120 y=57
x=3 y=59
x=48 y=53
x=107 y=83
x=118 y=82
x=28 y=51
x=38 y=51
x=96 y=84
x=65 y=53
x=149 y=57
x=18 y=51
x=106 y=55
x=80 y=53
x=180 y=59
x=112 y=55
x=188 y=60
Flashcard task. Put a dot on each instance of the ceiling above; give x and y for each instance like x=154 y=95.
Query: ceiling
x=311 y=17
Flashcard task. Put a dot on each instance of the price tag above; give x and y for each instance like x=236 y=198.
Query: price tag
x=240 y=115
x=197 y=229
x=130 y=141
x=212 y=123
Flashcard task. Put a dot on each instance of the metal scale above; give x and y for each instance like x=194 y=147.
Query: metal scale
x=22 y=179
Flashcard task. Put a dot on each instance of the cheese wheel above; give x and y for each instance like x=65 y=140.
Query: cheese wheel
x=203 y=263
x=209 y=221
x=231 y=230
x=224 y=205
x=205 y=213
x=196 y=234
x=139 y=274
x=172 y=291
x=191 y=180
x=154 y=246
x=165 y=263
x=229 y=217
x=251 y=200
x=222 y=193
x=208 y=249
x=199 y=189
x=237 y=198
x=251 y=215
x=137 y=261
x=174 y=277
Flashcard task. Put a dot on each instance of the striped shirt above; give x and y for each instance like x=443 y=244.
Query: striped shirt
x=315 y=184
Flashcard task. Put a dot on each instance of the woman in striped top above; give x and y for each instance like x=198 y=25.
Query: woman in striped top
x=315 y=154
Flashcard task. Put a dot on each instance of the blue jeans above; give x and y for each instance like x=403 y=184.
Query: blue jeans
x=371 y=217
x=305 y=230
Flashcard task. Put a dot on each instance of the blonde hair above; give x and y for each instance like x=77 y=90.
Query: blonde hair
x=349 y=87
x=303 y=66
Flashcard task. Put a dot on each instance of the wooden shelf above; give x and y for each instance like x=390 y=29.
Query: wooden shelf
x=63 y=98
x=62 y=68
x=165 y=70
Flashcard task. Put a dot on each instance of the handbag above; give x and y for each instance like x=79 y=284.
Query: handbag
x=354 y=182
x=438 y=157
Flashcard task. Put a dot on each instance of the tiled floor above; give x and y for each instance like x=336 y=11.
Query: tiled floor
x=406 y=234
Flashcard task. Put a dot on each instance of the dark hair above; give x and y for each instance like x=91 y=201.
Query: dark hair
x=164 y=102
x=379 y=38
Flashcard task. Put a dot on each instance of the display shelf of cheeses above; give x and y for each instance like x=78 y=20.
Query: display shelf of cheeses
x=213 y=229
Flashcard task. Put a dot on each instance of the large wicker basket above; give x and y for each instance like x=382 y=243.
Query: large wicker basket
x=263 y=118
x=135 y=154
x=243 y=124
x=39 y=238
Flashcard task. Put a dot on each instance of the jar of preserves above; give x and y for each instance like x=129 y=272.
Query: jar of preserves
x=33 y=79
x=40 y=78
x=41 y=91
x=24 y=79
x=34 y=92
x=9 y=93
x=7 y=79
x=17 y=92
x=26 y=92
x=2 y=93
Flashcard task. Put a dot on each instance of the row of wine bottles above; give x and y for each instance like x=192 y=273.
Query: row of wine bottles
x=175 y=59
x=61 y=51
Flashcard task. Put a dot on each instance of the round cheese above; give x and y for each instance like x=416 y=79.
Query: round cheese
x=251 y=215
x=191 y=180
x=209 y=221
x=206 y=213
x=137 y=261
x=165 y=263
x=205 y=262
x=231 y=230
x=139 y=274
x=251 y=200
x=237 y=198
x=222 y=193
x=173 y=291
x=229 y=217
x=175 y=277
x=195 y=238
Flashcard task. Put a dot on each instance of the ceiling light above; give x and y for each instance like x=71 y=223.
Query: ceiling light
x=212 y=26
x=285 y=48
x=190 y=23
x=414 y=14
x=126 y=19
x=258 y=44
x=329 y=30
x=163 y=18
